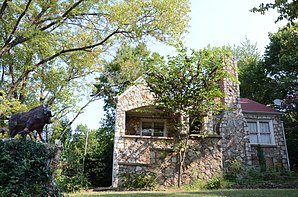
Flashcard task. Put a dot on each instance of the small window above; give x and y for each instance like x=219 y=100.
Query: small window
x=261 y=132
x=151 y=127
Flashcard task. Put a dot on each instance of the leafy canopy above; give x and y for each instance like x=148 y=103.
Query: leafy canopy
x=49 y=49
x=189 y=83
x=287 y=10
x=281 y=60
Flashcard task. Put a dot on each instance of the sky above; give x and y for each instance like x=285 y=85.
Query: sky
x=215 y=23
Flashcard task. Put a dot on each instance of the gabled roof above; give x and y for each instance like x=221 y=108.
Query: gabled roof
x=248 y=105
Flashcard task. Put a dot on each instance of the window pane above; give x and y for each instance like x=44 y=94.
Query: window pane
x=158 y=128
x=147 y=128
x=153 y=128
x=253 y=132
x=252 y=127
x=265 y=139
x=253 y=138
x=146 y=125
x=264 y=127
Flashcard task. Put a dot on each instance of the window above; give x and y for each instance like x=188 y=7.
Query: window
x=196 y=126
x=261 y=132
x=152 y=127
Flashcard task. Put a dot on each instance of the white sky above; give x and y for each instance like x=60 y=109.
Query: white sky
x=214 y=22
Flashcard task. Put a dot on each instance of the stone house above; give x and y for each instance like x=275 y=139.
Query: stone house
x=144 y=140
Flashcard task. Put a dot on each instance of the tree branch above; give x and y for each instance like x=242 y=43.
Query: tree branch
x=84 y=48
x=94 y=98
x=71 y=8
x=63 y=16
x=3 y=7
x=8 y=45
x=18 y=22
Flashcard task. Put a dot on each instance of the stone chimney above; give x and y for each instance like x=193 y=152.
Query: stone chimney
x=232 y=127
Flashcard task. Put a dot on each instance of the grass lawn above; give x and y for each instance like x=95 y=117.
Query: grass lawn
x=203 y=193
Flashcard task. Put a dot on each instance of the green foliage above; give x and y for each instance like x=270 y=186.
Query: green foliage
x=269 y=175
x=49 y=49
x=25 y=169
x=213 y=183
x=280 y=61
x=261 y=158
x=234 y=169
x=290 y=105
x=287 y=9
x=120 y=73
x=187 y=88
x=79 y=169
x=99 y=158
x=71 y=176
x=216 y=182
x=72 y=183
x=252 y=76
x=141 y=180
x=188 y=84
x=275 y=75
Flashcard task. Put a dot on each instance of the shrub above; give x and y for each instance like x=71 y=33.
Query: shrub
x=25 y=169
x=261 y=157
x=141 y=180
x=234 y=169
x=213 y=183
x=72 y=183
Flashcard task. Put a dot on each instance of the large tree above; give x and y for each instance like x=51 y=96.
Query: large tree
x=47 y=48
x=129 y=63
x=281 y=65
x=281 y=60
x=251 y=74
x=287 y=10
x=187 y=88
x=275 y=74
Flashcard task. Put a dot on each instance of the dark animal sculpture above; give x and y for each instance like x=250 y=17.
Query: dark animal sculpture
x=25 y=122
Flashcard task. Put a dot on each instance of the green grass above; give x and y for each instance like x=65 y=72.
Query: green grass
x=203 y=193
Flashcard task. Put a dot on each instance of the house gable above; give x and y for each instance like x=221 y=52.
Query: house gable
x=267 y=132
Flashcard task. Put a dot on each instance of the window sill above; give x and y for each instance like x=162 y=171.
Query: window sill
x=205 y=136
x=147 y=137
x=265 y=145
x=133 y=164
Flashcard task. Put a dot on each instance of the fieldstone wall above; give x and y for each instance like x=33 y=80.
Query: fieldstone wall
x=233 y=128
x=235 y=140
x=143 y=154
x=136 y=96
x=133 y=153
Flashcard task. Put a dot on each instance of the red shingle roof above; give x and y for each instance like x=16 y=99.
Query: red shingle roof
x=248 y=105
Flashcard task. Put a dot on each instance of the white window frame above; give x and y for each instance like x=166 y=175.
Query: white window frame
x=270 y=122
x=152 y=122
